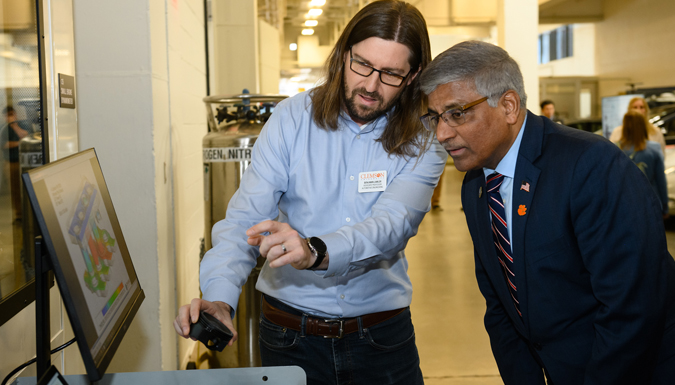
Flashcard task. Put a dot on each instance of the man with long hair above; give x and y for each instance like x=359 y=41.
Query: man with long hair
x=340 y=179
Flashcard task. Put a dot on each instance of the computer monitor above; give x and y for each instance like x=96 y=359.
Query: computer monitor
x=91 y=262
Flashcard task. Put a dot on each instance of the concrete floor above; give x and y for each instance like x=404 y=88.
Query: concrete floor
x=447 y=306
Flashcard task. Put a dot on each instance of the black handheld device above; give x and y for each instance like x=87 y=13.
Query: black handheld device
x=211 y=332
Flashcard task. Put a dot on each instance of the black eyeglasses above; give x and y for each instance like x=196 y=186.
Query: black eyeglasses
x=454 y=117
x=386 y=77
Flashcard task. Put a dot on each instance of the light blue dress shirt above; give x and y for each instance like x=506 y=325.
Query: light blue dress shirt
x=507 y=167
x=308 y=177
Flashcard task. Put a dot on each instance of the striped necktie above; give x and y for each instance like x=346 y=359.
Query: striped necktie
x=500 y=233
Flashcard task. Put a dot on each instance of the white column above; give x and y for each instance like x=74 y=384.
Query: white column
x=122 y=83
x=517 y=22
x=235 y=46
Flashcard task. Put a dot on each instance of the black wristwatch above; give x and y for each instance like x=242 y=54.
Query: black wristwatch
x=318 y=248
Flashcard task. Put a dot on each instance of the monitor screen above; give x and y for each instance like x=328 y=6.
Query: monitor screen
x=92 y=265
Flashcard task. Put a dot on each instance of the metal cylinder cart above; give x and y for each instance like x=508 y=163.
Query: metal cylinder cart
x=234 y=125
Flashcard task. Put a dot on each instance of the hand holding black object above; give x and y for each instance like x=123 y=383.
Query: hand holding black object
x=211 y=332
x=190 y=314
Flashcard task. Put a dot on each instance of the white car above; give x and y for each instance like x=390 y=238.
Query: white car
x=663 y=117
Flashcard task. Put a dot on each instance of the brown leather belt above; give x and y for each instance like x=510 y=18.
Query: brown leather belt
x=327 y=328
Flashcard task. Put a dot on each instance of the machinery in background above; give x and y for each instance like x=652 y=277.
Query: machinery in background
x=234 y=125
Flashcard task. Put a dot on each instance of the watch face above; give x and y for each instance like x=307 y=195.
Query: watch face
x=318 y=245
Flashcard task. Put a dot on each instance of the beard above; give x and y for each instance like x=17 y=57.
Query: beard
x=362 y=114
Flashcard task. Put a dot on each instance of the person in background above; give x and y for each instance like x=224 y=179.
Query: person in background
x=548 y=110
x=569 y=243
x=12 y=133
x=639 y=104
x=340 y=178
x=645 y=153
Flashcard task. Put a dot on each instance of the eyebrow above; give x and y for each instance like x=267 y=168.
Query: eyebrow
x=447 y=107
x=397 y=71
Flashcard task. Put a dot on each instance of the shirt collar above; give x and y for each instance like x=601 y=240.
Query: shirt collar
x=507 y=166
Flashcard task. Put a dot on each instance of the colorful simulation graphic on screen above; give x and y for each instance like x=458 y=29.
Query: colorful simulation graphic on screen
x=91 y=241
x=95 y=243
x=112 y=298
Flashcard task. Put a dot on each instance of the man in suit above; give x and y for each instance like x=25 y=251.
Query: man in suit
x=569 y=244
x=548 y=110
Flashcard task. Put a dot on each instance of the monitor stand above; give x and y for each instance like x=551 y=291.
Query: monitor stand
x=43 y=277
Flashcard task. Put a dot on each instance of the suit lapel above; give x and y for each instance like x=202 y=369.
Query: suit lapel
x=524 y=188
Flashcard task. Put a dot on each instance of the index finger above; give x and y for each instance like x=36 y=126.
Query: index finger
x=262 y=227
x=196 y=306
x=184 y=319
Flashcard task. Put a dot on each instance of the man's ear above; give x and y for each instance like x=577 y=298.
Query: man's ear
x=510 y=102
x=410 y=80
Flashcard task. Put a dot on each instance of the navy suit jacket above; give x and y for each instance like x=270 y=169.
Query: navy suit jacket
x=596 y=283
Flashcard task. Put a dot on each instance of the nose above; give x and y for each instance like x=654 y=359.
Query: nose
x=372 y=82
x=444 y=131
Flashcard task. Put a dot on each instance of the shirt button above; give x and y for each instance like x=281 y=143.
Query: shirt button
x=358 y=136
x=342 y=296
x=349 y=219
x=351 y=177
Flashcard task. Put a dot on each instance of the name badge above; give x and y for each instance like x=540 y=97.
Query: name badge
x=372 y=181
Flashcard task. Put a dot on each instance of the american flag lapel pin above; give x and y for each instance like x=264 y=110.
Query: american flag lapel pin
x=525 y=186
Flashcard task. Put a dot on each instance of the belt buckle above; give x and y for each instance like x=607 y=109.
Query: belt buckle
x=336 y=321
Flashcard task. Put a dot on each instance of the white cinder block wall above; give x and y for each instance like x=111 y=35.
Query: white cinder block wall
x=187 y=87
x=634 y=45
x=142 y=67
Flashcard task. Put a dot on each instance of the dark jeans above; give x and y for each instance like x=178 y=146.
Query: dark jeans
x=382 y=354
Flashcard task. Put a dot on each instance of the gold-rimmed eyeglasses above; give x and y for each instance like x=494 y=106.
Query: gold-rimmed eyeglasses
x=453 y=117
x=386 y=77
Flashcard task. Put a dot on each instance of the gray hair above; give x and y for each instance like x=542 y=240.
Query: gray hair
x=492 y=69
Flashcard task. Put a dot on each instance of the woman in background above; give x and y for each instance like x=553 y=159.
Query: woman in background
x=646 y=154
x=639 y=104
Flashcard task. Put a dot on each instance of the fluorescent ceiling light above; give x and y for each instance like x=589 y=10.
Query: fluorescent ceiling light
x=308 y=31
x=314 y=12
x=311 y=23
x=293 y=47
x=317 y=3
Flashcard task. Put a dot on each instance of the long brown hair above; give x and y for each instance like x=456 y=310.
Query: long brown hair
x=389 y=20
x=651 y=130
x=634 y=132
